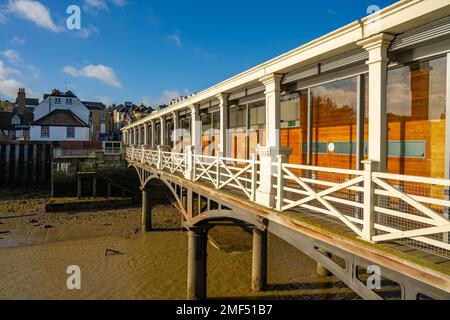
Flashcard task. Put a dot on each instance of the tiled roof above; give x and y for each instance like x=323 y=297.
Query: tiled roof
x=6 y=117
x=94 y=105
x=60 y=118
x=29 y=101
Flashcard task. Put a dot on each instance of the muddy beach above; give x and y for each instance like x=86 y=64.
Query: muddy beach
x=118 y=261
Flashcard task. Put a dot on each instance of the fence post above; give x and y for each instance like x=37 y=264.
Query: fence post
x=254 y=176
x=280 y=182
x=369 y=200
x=218 y=170
x=159 y=163
x=194 y=168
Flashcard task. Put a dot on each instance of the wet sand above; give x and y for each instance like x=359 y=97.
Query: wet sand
x=39 y=247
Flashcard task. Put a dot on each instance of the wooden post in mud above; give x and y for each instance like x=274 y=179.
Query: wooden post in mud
x=146 y=211
x=197 y=253
x=109 y=191
x=25 y=164
x=259 y=260
x=7 y=162
x=94 y=186
x=16 y=164
x=78 y=187
x=34 y=163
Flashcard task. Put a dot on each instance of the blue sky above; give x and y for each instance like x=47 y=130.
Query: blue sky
x=151 y=51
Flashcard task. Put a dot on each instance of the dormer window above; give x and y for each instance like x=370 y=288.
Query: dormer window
x=57 y=100
x=68 y=101
x=15 y=120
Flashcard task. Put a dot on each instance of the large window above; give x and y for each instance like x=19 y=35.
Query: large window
x=238 y=131
x=210 y=132
x=416 y=107
x=334 y=111
x=294 y=125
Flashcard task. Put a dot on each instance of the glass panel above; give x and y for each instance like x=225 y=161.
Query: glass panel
x=257 y=129
x=210 y=133
x=416 y=118
x=334 y=120
x=294 y=128
x=185 y=134
x=237 y=131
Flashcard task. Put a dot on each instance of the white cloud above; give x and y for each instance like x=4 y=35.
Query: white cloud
x=176 y=40
x=5 y=71
x=17 y=41
x=33 y=11
x=102 y=5
x=9 y=87
x=104 y=99
x=85 y=33
x=12 y=56
x=166 y=96
x=100 y=72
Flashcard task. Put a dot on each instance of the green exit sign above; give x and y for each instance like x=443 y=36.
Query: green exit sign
x=292 y=123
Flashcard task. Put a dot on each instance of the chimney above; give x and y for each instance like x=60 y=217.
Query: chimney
x=21 y=101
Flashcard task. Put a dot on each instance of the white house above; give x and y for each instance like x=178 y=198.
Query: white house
x=60 y=117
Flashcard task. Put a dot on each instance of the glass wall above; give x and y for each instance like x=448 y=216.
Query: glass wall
x=257 y=125
x=184 y=134
x=210 y=132
x=237 y=131
x=247 y=124
x=334 y=111
x=169 y=132
x=294 y=125
x=416 y=107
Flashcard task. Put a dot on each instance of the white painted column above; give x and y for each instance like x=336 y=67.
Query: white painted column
x=175 y=135
x=139 y=135
x=377 y=47
x=163 y=131
x=196 y=129
x=152 y=139
x=146 y=134
x=224 y=145
x=272 y=82
x=265 y=194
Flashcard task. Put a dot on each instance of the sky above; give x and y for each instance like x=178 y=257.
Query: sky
x=153 y=51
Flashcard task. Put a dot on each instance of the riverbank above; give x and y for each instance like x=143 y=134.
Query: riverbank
x=118 y=261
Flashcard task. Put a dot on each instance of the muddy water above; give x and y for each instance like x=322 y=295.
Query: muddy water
x=38 y=249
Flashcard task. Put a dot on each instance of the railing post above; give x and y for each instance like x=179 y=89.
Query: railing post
x=189 y=164
x=194 y=168
x=280 y=182
x=254 y=179
x=159 y=163
x=369 y=200
x=143 y=154
x=218 y=170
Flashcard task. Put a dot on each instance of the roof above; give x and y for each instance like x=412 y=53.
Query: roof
x=6 y=117
x=94 y=105
x=60 y=118
x=29 y=101
x=57 y=93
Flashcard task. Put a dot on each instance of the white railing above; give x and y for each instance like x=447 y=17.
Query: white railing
x=378 y=207
x=229 y=173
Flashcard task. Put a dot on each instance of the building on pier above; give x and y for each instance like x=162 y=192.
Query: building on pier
x=352 y=128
